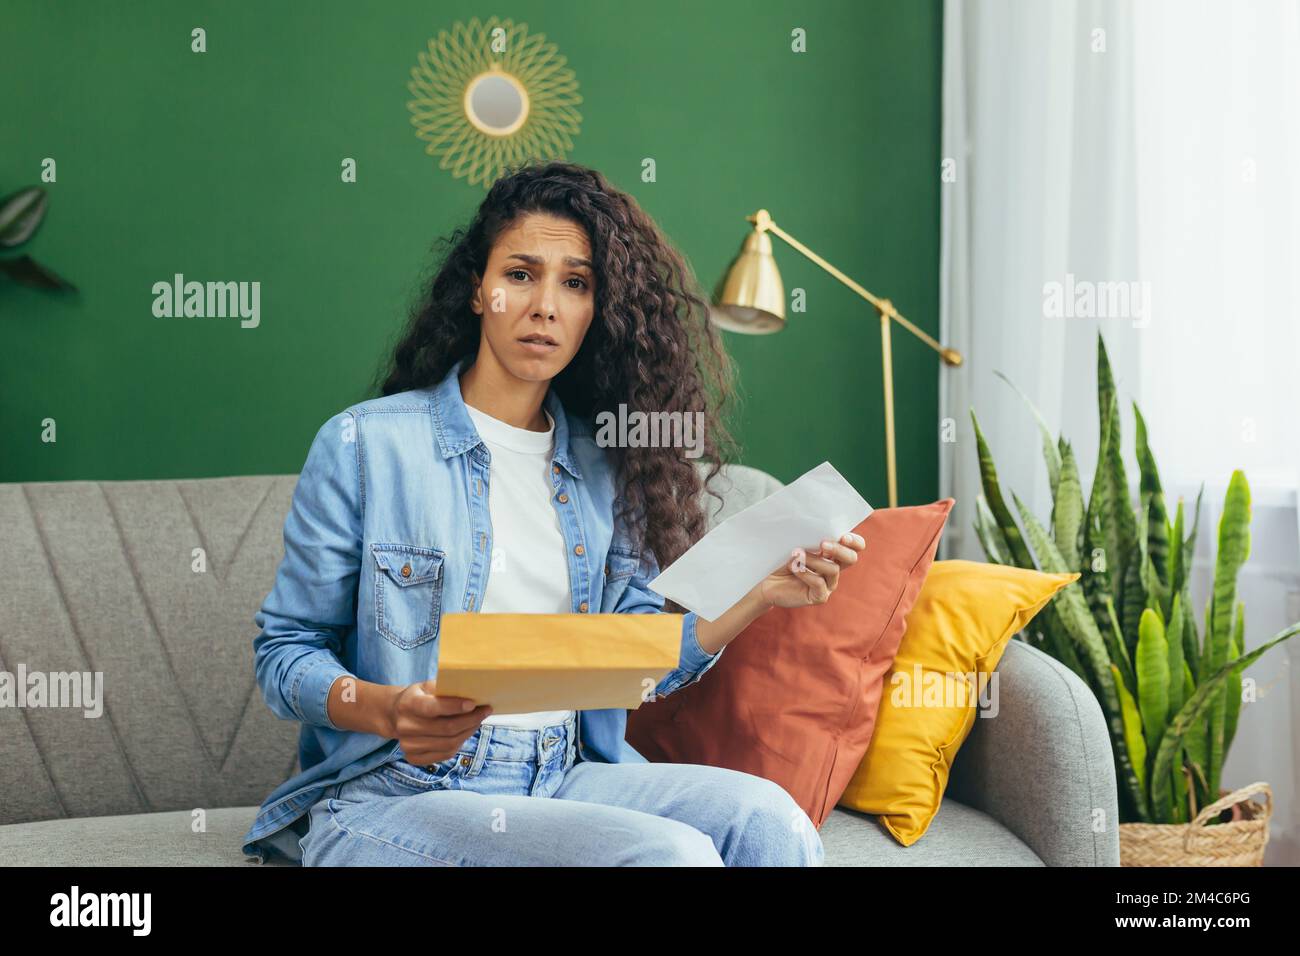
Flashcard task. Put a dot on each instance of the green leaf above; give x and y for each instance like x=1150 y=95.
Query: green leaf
x=1189 y=546
x=1133 y=598
x=1209 y=691
x=1015 y=542
x=27 y=271
x=1232 y=691
x=1133 y=723
x=20 y=215
x=1191 y=640
x=1233 y=550
x=1067 y=515
x=1082 y=627
x=1117 y=511
x=1194 y=739
x=1206 y=662
x=1061 y=647
x=1050 y=453
x=1149 y=482
x=1105 y=380
x=1177 y=570
x=1095 y=558
x=1174 y=635
x=1116 y=647
x=1178 y=791
x=989 y=534
x=1153 y=676
x=1121 y=537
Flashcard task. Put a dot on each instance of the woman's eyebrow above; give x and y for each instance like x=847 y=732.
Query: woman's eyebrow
x=538 y=260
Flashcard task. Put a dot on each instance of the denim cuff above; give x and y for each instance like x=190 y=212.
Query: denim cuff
x=312 y=680
x=693 y=661
x=694 y=658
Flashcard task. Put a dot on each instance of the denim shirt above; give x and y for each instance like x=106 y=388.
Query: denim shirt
x=401 y=482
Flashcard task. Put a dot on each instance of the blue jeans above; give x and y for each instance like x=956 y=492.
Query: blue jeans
x=514 y=797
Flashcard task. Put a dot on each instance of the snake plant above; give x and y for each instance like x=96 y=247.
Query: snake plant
x=1170 y=692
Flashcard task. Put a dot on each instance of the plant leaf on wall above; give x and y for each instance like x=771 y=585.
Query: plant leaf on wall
x=21 y=214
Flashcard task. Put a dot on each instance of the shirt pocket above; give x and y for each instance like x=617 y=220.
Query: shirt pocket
x=621 y=563
x=408 y=593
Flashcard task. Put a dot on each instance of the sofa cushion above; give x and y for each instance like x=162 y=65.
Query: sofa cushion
x=132 y=839
x=959 y=836
x=794 y=698
x=942 y=676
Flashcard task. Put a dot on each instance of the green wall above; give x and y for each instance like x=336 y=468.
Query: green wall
x=225 y=166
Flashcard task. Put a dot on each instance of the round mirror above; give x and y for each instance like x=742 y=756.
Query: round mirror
x=496 y=103
x=472 y=99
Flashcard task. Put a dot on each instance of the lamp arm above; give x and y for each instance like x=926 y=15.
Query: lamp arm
x=884 y=306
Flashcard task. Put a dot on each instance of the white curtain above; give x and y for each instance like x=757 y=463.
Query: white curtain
x=1103 y=148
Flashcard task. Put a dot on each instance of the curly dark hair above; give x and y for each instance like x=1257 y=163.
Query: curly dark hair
x=649 y=346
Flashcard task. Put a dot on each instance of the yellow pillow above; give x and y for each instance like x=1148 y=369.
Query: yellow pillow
x=956 y=631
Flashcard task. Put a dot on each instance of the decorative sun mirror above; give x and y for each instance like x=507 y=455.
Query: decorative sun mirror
x=488 y=96
x=496 y=103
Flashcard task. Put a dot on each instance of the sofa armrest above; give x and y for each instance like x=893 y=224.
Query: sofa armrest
x=1043 y=766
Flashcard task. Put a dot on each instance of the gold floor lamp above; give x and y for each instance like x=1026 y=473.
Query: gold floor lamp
x=752 y=301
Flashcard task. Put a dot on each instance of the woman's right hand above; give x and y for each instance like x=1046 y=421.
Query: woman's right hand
x=429 y=728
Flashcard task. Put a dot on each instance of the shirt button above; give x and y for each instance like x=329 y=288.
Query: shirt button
x=607 y=570
x=555 y=469
x=578 y=550
x=564 y=499
x=583 y=607
x=406 y=570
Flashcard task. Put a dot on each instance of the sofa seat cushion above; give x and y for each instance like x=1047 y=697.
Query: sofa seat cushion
x=958 y=836
x=137 y=839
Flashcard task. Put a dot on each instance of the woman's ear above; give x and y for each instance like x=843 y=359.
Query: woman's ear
x=476 y=299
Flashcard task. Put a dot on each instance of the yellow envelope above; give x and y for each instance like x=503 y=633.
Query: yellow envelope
x=526 y=662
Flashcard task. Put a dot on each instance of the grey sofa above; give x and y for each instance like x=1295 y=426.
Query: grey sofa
x=155 y=584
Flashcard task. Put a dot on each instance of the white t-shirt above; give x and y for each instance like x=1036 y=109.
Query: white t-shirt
x=529 y=572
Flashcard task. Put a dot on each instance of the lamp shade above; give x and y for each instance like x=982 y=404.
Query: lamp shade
x=752 y=298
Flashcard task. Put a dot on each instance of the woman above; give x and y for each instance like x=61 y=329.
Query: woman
x=476 y=483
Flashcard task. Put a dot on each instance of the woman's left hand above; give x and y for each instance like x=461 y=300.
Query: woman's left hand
x=791 y=586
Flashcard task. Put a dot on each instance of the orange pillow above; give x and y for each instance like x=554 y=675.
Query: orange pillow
x=794 y=698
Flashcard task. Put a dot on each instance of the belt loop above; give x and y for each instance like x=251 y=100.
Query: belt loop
x=480 y=754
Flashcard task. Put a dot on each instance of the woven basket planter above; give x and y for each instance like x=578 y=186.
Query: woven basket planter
x=1240 y=842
